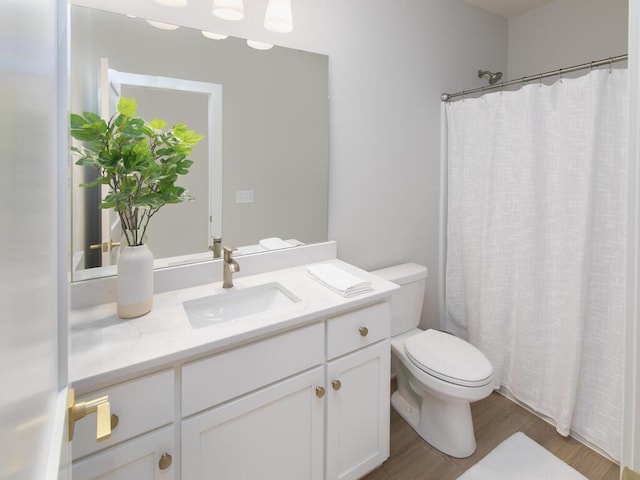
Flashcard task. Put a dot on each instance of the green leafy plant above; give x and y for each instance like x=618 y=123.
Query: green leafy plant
x=140 y=161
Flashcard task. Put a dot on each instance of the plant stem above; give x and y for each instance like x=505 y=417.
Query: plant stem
x=125 y=229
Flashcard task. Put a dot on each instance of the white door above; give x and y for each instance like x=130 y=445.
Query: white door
x=33 y=236
x=358 y=412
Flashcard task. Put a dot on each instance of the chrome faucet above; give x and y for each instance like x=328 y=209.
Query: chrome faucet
x=229 y=266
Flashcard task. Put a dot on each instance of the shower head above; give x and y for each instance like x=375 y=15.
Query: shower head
x=493 y=77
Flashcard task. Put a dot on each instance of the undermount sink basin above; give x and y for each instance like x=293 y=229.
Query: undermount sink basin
x=238 y=303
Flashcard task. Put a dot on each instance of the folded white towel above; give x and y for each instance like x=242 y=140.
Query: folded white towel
x=248 y=249
x=274 y=243
x=339 y=281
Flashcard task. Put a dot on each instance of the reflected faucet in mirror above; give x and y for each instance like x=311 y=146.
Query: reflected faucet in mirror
x=229 y=267
x=215 y=246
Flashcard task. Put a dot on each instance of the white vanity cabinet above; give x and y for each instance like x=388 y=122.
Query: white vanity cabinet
x=358 y=373
x=308 y=402
x=278 y=431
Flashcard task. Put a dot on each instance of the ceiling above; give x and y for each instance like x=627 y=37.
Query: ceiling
x=508 y=8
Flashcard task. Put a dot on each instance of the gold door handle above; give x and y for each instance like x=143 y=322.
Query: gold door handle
x=364 y=331
x=106 y=247
x=165 y=461
x=336 y=384
x=99 y=406
x=319 y=392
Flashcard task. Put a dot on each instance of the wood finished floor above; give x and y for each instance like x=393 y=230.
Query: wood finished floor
x=495 y=419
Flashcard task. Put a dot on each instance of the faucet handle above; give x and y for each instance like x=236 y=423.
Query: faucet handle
x=228 y=252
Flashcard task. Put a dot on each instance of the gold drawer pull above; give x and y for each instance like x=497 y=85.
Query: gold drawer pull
x=364 y=331
x=319 y=392
x=336 y=384
x=165 y=461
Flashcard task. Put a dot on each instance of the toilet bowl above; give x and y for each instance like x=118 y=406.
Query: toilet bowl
x=438 y=375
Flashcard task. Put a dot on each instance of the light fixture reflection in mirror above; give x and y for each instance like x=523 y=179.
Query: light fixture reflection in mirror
x=162 y=25
x=172 y=3
x=259 y=45
x=274 y=130
x=214 y=36
x=228 y=9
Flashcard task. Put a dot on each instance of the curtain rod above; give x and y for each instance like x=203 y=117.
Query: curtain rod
x=445 y=97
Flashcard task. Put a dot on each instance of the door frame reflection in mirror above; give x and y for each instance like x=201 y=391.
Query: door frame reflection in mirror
x=214 y=138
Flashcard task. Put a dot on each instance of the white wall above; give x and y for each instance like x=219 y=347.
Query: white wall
x=29 y=368
x=387 y=69
x=387 y=72
x=565 y=33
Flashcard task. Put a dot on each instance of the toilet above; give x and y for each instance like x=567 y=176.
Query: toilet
x=438 y=374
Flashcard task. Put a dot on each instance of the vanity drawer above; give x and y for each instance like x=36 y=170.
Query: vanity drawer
x=219 y=378
x=357 y=329
x=141 y=405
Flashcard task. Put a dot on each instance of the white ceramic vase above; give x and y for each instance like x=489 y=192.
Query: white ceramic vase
x=135 y=281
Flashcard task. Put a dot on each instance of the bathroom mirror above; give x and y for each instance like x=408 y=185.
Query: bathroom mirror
x=274 y=130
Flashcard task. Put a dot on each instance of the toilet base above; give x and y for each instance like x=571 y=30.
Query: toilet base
x=445 y=425
x=407 y=411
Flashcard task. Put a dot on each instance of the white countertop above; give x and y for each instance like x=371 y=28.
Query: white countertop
x=105 y=348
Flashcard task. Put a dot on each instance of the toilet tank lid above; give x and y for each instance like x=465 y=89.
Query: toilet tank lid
x=404 y=273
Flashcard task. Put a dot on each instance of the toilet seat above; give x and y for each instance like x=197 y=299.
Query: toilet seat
x=449 y=358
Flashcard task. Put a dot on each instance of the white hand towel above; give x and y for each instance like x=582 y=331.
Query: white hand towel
x=274 y=243
x=339 y=281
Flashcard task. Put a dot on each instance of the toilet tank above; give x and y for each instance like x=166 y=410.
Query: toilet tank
x=406 y=303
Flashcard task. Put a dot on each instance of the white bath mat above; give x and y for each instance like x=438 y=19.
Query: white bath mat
x=519 y=457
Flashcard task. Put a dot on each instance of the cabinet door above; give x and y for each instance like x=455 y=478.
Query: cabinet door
x=137 y=459
x=274 y=433
x=358 y=412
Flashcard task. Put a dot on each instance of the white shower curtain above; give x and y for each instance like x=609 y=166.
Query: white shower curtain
x=536 y=239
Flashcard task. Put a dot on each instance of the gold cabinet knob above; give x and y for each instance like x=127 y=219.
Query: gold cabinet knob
x=165 y=461
x=364 y=331
x=99 y=406
x=319 y=392
x=115 y=421
x=336 y=384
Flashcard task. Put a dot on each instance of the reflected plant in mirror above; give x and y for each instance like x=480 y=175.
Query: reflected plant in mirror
x=138 y=161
